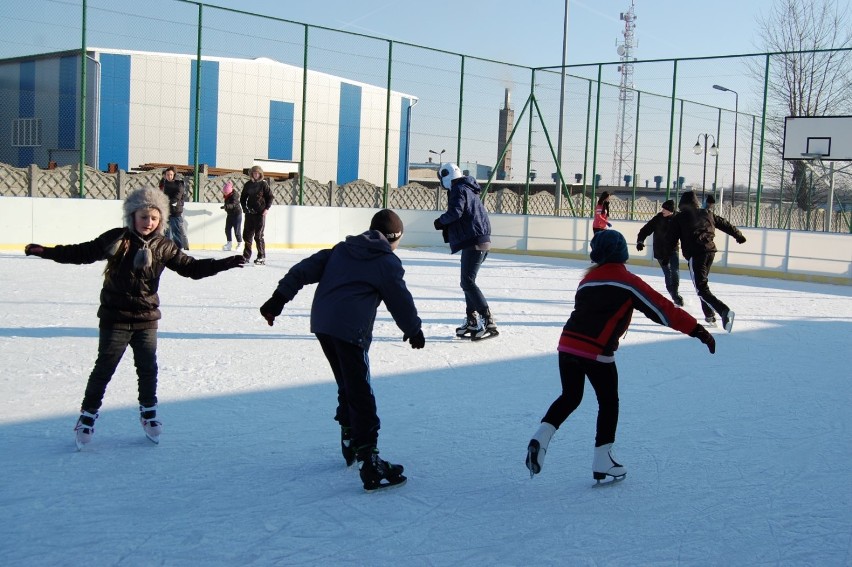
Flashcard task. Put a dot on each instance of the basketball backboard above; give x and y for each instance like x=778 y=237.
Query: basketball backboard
x=829 y=137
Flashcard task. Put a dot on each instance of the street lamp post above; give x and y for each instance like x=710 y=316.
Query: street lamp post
x=736 y=113
x=697 y=149
x=438 y=189
x=440 y=157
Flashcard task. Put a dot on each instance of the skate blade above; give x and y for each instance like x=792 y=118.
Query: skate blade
x=609 y=480
x=79 y=445
x=398 y=481
x=730 y=326
x=155 y=439
x=532 y=461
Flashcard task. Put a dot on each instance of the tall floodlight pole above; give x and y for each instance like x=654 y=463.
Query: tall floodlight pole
x=558 y=195
x=736 y=113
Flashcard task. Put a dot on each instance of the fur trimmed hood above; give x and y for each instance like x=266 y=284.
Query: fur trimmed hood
x=147 y=198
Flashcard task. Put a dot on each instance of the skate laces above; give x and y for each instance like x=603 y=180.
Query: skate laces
x=86 y=421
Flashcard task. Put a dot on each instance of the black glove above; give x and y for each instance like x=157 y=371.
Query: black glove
x=273 y=307
x=705 y=337
x=438 y=225
x=417 y=340
x=33 y=249
x=230 y=262
x=740 y=239
x=640 y=246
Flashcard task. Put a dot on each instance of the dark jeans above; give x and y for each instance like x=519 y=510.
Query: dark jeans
x=254 y=231
x=671 y=271
x=112 y=342
x=234 y=223
x=699 y=269
x=177 y=231
x=356 y=404
x=603 y=376
x=471 y=260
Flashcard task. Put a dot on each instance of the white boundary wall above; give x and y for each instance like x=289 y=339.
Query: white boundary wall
x=810 y=256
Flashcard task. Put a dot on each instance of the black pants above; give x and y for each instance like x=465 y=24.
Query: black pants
x=253 y=230
x=112 y=342
x=603 y=376
x=356 y=404
x=699 y=269
x=234 y=223
x=671 y=273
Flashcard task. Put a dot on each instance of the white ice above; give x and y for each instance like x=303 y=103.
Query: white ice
x=737 y=458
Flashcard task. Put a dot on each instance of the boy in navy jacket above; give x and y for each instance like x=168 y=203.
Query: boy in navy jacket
x=353 y=278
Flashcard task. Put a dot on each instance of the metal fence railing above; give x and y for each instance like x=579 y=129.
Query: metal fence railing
x=184 y=82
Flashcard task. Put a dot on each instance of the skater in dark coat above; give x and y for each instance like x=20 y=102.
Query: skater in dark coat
x=136 y=256
x=353 y=278
x=175 y=190
x=603 y=308
x=233 y=216
x=665 y=254
x=466 y=228
x=256 y=201
x=695 y=228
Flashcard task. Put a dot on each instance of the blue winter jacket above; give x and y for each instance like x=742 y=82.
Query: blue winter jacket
x=466 y=219
x=354 y=278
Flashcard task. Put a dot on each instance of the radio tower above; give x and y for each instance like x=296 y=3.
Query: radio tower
x=622 y=157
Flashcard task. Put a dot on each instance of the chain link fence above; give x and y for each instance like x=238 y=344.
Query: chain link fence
x=350 y=120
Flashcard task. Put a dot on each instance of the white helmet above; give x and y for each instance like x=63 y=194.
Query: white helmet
x=447 y=173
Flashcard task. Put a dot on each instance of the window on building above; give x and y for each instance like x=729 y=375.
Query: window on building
x=26 y=132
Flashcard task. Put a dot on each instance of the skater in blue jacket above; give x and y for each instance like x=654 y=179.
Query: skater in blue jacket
x=353 y=278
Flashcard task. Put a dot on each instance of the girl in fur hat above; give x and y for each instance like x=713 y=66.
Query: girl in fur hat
x=136 y=256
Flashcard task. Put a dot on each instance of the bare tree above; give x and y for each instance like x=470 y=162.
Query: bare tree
x=809 y=76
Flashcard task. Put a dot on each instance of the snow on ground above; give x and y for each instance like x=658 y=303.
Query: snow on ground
x=738 y=458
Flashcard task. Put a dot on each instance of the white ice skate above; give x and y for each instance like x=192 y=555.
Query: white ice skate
x=84 y=430
x=605 y=465
x=537 y=448
x=152 y=426
x=227 y=246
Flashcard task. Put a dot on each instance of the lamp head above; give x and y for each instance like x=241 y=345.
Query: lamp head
x=720 y=88
x=714 y=151
x=696 y=149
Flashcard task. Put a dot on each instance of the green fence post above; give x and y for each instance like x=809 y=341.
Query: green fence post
x=586 y=150
x=671 y=127
x=762 y=141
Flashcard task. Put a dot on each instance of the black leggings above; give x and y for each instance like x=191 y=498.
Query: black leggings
x=603 y=376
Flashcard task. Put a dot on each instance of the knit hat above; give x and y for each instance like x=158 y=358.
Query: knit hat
x=228 y=188
x=609 y=246
x=388 y=223
x=144 y=198
x=147 y=198
x=669 y=205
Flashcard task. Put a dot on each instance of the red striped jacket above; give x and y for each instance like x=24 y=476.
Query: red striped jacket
x=603 y=308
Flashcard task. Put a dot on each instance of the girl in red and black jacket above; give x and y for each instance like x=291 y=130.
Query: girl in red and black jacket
x=603 y=307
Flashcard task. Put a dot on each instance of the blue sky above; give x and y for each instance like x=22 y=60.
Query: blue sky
x=530 y=33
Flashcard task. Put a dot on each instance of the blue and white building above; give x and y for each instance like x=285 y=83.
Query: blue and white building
x=141 y=108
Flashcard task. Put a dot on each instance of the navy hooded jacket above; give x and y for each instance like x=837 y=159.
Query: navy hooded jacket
x=466 y=219
x=354 y=278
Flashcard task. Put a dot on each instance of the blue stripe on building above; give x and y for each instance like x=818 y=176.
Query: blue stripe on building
x=349 y=133
x=208 y=117
x=115 y=111
x=67 y=119
x=26 y=105
x=280 y=130
x=404 y=117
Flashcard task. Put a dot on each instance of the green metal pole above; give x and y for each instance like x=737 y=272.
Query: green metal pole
x=750 y=168
x=529 y=145
x=595 y=148
x=553 y=155
x=505 y=148
x=586 y=150
x=304 y=119
x=762 y=142
x=195 y=176
x=671 y=129
x=387 y=126
x=679 y=146
x=461 y=108
x=81 y=174
x=635 y=156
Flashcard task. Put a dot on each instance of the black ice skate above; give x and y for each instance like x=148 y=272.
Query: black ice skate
x=488 y=328
x=260 y=262
x=378 y=474
x=728 y=320
x=470 y=326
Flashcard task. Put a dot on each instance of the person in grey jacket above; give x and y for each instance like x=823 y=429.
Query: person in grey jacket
x=353 y=278
x=136 y=257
